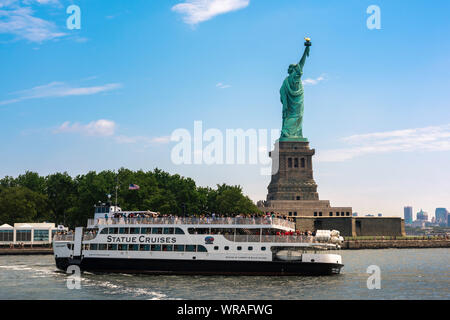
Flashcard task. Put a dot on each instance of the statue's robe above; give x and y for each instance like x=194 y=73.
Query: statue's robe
x=291 y=96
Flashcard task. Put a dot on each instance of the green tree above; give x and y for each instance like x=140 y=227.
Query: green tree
x=20 y=204
x=32 y=181
x=62 y=193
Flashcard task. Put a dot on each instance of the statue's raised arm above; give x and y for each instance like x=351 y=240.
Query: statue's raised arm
x=305 y=53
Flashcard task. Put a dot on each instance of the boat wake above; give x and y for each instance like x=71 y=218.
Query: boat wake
x=111 y=288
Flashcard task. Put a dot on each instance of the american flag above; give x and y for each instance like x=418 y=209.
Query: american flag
x=133 y=187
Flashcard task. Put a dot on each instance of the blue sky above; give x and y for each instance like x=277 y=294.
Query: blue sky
x=111 y=93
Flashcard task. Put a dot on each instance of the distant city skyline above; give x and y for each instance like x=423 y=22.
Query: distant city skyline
x=111 y=94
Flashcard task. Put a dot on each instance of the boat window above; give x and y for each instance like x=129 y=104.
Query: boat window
x=263 y=248
x=156 y=230
x=124 y=231
x=146 y=230
x=198 y=230
x=104 y=231
x=167 y=247
x=133 y=247
x=216 y=231
x=250 y=248
x=168 y=230
x=178 y=247
x=179 y=231
x=123 y=247
x=102 y=246
x=134 y=230
x=226 y=247
x=112 y=230
x=201 y=248
x=94 y=246
x=156 y=247
x=112 y=246
x=254 y=231
x=239 y=248
x=216 y=248
x=190 y=248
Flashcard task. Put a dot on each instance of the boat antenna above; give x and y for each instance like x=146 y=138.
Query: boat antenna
x=117 y=188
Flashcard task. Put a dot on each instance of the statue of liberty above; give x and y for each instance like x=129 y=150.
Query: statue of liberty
x=291 y=94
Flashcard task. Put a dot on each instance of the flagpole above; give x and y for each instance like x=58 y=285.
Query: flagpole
x=117 y=187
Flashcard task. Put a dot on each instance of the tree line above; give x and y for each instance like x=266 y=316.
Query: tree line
x=67 y=200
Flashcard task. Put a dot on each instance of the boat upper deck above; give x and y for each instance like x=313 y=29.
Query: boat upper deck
x=263 y=222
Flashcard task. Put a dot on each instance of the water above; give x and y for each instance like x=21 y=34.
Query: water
x=405 y=274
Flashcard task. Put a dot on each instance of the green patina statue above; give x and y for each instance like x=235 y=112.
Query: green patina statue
x=291 y=93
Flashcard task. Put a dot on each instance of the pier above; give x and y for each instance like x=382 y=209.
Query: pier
x=25 y=251
x=395 y=243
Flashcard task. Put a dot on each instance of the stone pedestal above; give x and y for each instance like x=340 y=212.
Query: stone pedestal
x=292 y=190
x=294 y=178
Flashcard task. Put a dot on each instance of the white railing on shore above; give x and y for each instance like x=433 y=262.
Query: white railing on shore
x=194 y=220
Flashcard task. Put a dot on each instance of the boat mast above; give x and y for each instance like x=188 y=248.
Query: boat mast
x=117 y=187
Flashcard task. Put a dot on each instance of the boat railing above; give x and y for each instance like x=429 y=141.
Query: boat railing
x=63 y=237
x=193 y=220
x=270 y=238
x=89 y=235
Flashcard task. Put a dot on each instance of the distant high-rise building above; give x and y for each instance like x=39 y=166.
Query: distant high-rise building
x=408 y=212
x=441 y=215
x=422 y=215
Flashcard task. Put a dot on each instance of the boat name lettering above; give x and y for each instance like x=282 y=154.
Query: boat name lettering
x=140 y=239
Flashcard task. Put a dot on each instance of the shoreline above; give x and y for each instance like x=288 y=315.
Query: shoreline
x=395 y=244
x=25 y=251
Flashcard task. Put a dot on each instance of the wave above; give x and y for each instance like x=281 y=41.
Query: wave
x=111 y=288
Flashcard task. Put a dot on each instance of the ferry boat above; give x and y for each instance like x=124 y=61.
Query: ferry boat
x=144 y=242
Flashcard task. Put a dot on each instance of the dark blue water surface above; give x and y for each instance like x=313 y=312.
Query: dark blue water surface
x=405 y=274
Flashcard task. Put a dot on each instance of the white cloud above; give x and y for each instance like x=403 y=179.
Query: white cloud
x=58 y=89
x=102 y=127
x=221 y=85
x=313 y=82
x=145 y=141
x=107 y=128
x=196 y=11
x=434 y=138
x=23 y=24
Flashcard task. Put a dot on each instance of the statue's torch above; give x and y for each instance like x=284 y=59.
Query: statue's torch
x=307 y=42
